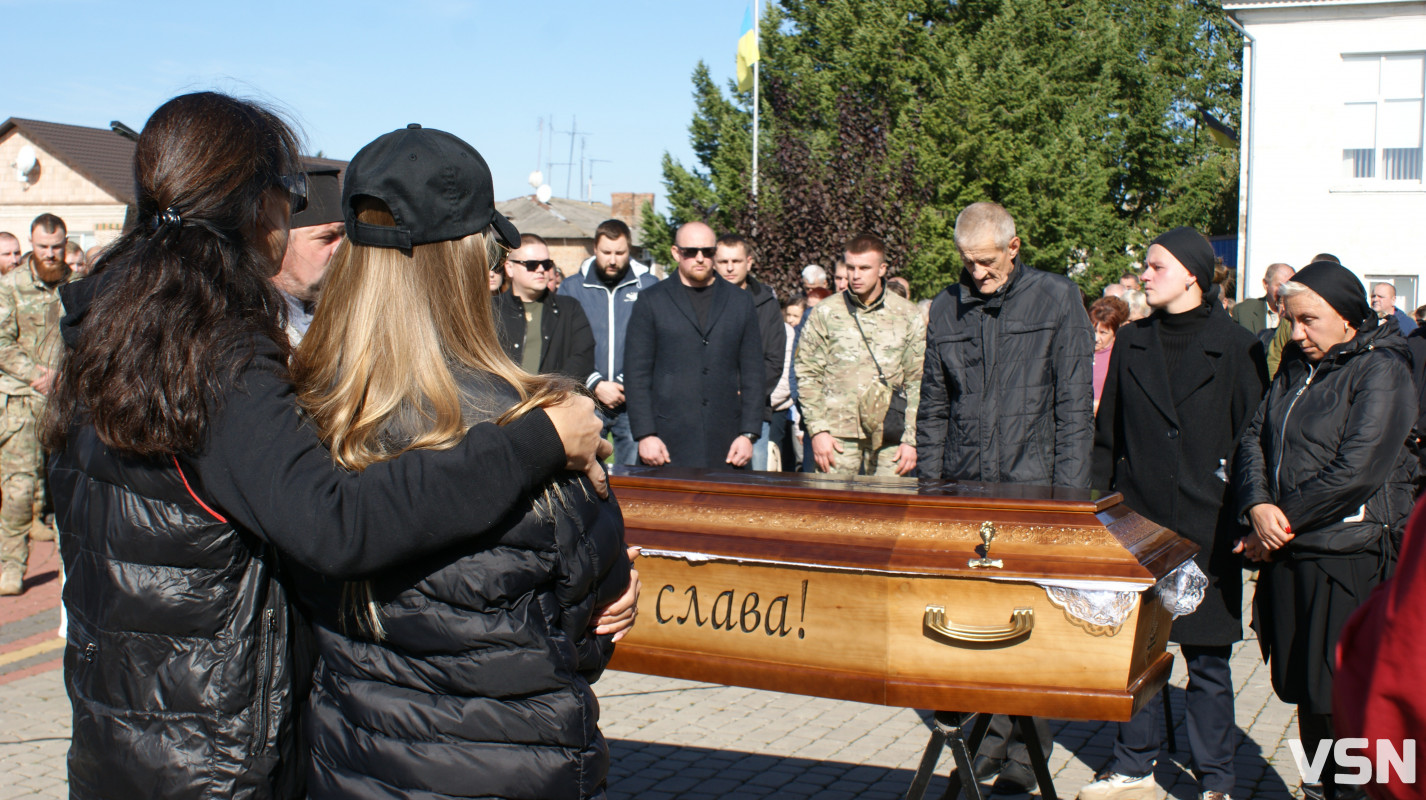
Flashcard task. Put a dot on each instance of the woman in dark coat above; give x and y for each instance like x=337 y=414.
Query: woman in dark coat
x=1182 y=386
x=1326 y=476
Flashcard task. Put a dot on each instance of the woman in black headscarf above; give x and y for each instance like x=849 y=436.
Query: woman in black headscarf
x=1182 y=386
x=1326 y=478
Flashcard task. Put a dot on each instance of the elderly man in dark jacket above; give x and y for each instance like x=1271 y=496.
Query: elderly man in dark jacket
x=1007 y=395
x=1008 y=392
x=693 y=364
x=541 y=331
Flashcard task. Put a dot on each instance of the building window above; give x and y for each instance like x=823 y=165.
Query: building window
x=1382 y=118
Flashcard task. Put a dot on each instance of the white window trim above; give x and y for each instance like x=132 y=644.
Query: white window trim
x=1376 y=183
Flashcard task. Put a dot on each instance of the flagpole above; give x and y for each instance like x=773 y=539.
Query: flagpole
x=757 y=33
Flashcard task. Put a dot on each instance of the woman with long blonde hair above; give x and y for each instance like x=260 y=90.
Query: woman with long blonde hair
x=468 y=672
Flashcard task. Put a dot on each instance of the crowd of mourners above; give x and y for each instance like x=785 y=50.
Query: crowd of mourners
x=326 y=459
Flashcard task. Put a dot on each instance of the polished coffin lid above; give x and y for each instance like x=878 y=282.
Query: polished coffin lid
x=890 y=528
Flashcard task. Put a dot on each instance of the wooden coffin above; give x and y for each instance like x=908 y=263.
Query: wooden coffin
x=831 y=587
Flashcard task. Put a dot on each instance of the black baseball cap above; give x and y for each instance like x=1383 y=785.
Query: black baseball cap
x=437 y=187
x=324 y=198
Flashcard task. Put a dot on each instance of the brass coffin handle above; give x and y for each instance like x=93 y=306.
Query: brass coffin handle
x=1022 y=621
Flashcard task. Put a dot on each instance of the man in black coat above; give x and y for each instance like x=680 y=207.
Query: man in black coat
x=734 y=262
x=541 y=331
x=694 y=373
x=1007 y=396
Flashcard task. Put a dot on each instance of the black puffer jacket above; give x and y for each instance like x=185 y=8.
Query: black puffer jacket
x=1329 y=446
x=480 y=684
x=179 y=665
x=1008 y=389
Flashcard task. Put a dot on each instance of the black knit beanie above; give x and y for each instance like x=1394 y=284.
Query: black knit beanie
x=1193 y=251
x=1342 y=291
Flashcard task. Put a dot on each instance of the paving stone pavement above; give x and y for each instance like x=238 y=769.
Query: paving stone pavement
x=676 y=739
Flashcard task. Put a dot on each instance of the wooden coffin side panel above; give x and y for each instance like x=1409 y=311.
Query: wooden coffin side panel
x=862 y=636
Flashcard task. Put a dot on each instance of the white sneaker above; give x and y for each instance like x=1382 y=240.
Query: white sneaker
x=1113 y=786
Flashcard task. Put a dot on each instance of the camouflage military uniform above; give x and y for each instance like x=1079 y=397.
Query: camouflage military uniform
x=29 y=313
x=834 y=368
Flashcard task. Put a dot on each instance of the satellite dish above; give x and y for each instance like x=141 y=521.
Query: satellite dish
x=536 y=178
x=25 y=164
x=544 y=193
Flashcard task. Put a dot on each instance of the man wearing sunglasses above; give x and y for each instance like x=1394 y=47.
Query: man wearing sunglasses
x=540 y=330
x=693 y=363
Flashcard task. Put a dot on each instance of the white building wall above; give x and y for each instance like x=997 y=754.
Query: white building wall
x=1298 y=202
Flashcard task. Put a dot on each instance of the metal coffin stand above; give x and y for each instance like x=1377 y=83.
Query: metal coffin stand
x=933 y=595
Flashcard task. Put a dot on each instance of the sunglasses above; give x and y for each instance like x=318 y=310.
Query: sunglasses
x=534 y=266
x=692 y=252
x=296 y=188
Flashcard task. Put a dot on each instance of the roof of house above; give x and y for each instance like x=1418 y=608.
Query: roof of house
x=101 y=156
x=559 y=218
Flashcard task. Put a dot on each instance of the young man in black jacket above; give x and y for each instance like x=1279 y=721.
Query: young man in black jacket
x=541 y=331
x=734 y=262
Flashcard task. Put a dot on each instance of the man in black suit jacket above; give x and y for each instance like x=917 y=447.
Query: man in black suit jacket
x=541 y=331
x=693 y=364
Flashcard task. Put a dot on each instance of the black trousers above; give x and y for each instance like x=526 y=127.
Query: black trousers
x=1212 y=730
x=1003 y=740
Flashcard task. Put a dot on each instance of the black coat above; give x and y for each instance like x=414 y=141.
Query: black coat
x=481 y=681
x=774 y=336
x=1332 y=442
x=696 y=389
x=1008 y=388
x=1169 y=452
x=567 y=346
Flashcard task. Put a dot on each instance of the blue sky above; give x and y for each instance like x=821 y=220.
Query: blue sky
x=348 y=72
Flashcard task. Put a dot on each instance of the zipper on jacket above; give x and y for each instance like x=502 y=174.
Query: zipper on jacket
x=1277 y=469
x=265 y=670
x=609 y=376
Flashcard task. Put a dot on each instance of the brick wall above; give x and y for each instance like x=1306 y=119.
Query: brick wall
x=627 y=205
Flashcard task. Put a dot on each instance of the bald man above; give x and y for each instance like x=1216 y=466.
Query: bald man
x=1384 y=304
x=693 y=364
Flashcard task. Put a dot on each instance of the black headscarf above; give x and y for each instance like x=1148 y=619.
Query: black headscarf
x=1194 y=252
x=1341 y=289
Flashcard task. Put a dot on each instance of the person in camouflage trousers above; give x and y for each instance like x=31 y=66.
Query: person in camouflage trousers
x=29 y=316
x=851 y=342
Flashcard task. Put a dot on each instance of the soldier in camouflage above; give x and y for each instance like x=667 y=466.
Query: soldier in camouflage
x=29 y=315
x=850 y=343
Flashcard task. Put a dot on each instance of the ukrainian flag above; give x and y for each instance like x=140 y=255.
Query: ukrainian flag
x=747 y=52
